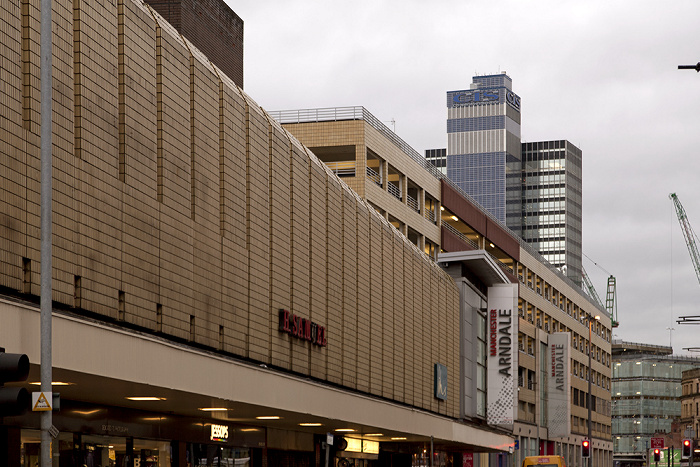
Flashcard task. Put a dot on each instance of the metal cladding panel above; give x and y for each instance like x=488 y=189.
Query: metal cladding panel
x=502 y=355
x=463 y=208
x=451 y=242
x=502 y=239
x=558 y=384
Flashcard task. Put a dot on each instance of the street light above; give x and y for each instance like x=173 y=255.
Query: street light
x=690 y=67
x=590 y=374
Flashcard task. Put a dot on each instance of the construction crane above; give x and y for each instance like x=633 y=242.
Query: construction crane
x=688 y=234
x=611 y=301
x=591 y=290
x=610 y=297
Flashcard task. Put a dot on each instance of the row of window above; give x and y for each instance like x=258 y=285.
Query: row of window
x=544 y=289
x=459 y=125
x=579 y=398
x=690 y=409
x=688 y=387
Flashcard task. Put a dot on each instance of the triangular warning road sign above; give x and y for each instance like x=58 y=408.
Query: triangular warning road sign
x=40 y=402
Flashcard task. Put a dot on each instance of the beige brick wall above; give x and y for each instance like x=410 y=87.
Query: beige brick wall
x=364 y=137
x=182 y=208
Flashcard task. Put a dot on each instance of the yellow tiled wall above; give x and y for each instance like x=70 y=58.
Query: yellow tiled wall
x=181 y=207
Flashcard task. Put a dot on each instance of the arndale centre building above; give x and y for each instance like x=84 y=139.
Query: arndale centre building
x=222 y=297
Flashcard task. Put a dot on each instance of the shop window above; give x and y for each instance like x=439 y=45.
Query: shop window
x=208 y=455
x=98 y=451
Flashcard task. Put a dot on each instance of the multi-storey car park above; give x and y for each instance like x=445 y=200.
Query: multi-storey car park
x=401 y=185
x=221 y=296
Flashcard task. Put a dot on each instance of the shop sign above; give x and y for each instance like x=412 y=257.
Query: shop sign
x=370 y=447
x=362 y=445
x=219 y=433
x=501 y=358
x=121 y=429
x=302 y=328
x=558 y=384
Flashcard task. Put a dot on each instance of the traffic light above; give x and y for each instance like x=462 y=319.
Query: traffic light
x=586 y=448
x=340 y=443
x=687 y=448
x=13 y=367
x=657 y=455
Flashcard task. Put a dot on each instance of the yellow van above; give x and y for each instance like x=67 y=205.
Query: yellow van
x=544 y=461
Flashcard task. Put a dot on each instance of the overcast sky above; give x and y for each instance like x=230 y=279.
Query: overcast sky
x=600 y=73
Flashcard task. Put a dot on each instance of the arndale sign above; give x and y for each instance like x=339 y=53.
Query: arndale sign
x=501 y=358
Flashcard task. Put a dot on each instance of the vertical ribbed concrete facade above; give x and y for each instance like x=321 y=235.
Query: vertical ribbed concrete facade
x=181 y=208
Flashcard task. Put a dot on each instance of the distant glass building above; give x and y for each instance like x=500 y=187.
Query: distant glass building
x=551 y=216
x=533 y=188
x=437 y=157
x=483 y=145
x=646 y=397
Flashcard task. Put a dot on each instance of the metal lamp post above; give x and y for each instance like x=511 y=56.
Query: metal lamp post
x=690 y=67
x=590 y=378
x=46 y=58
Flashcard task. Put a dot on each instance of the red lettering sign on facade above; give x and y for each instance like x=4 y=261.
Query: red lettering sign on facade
x=302 y=328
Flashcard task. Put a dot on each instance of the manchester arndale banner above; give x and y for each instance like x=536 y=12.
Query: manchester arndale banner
x=502 y=355
x=558 y=384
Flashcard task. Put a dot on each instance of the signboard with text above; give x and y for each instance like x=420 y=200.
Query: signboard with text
x=558 y=384
x=657 y=443
x=502 y=360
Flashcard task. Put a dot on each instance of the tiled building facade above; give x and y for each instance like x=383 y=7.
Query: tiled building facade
x=548 y=302
x=185 y=219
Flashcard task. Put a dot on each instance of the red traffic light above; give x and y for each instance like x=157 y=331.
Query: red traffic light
x=687 y=447
x=585 y=448
x=657 y=455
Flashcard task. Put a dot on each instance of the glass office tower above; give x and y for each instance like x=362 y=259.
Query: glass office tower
x=533 y=188
x=483 y=146
x=437 y=157
x=551 y=217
